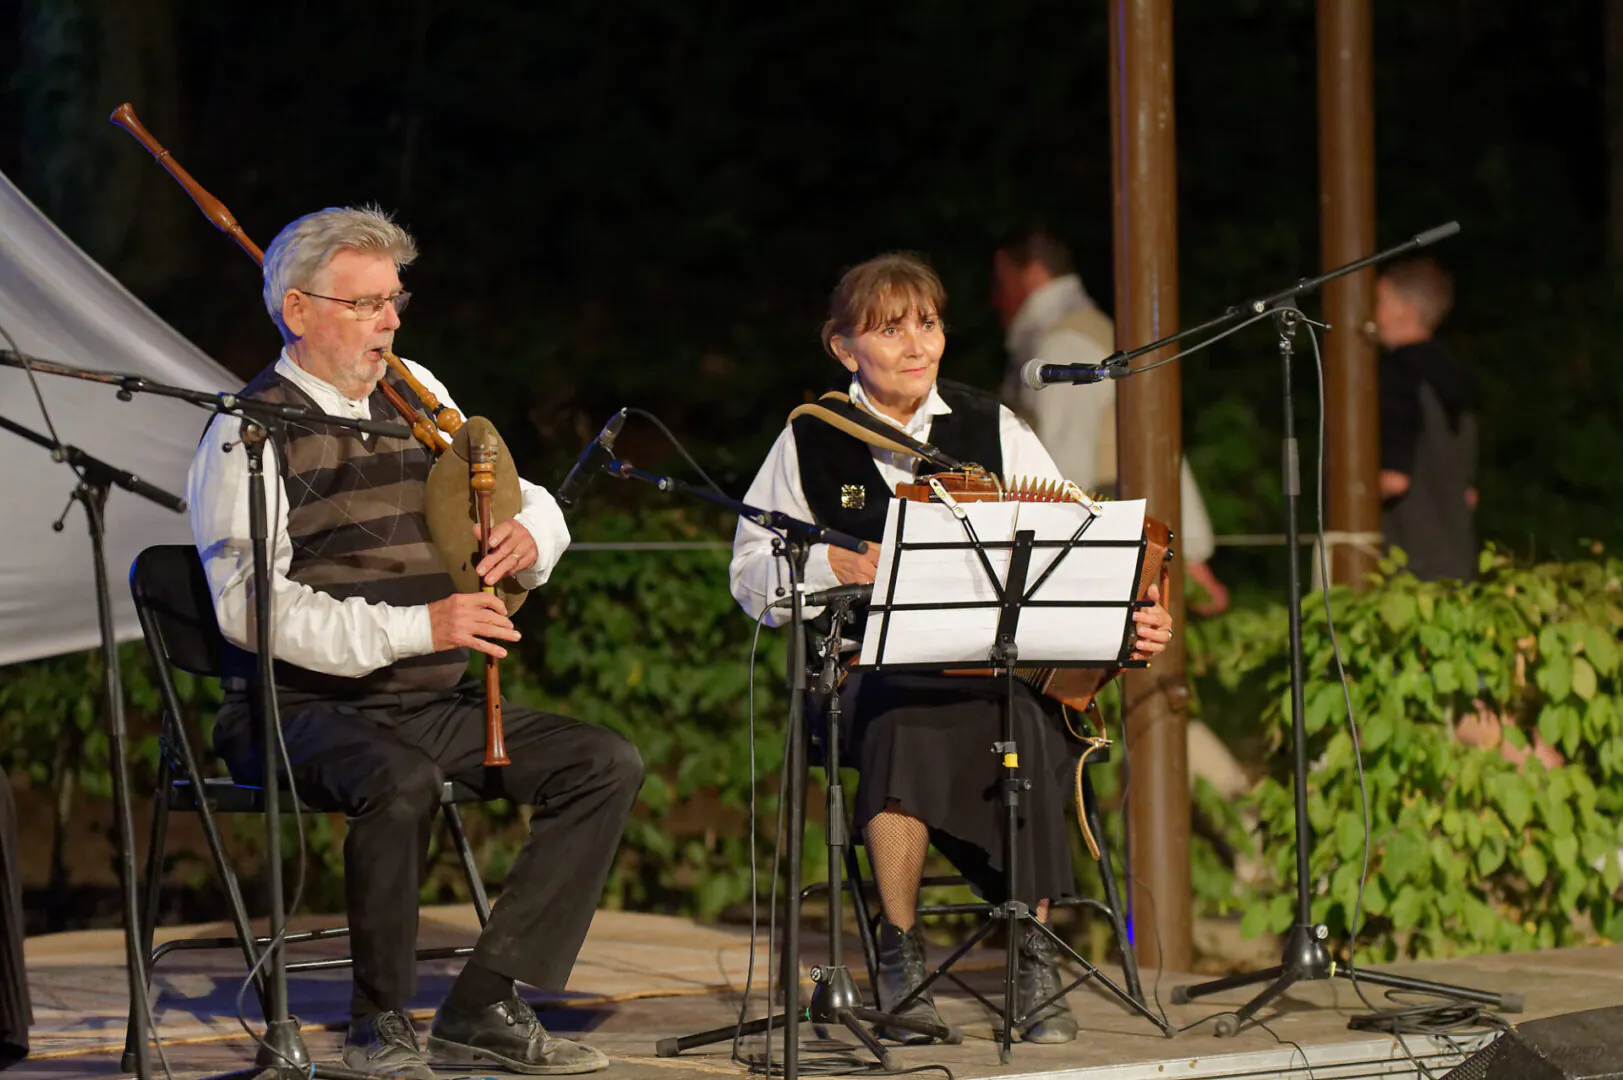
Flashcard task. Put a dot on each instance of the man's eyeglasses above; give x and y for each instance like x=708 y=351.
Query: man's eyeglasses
x=368 y=307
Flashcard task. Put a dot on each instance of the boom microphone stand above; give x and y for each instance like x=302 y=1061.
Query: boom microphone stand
x=282 y=1054
x=836 y=999
x=95 y=477
x=1306 y=957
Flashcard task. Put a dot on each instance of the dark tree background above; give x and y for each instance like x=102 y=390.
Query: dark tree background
x=647 y=202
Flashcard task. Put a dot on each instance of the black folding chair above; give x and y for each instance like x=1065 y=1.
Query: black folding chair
x=177 y=620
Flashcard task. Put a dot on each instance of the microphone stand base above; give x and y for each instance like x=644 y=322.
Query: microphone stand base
x=283 y=1046
x=283 y=1056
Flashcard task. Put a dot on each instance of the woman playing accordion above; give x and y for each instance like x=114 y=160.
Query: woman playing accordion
x=921 y=741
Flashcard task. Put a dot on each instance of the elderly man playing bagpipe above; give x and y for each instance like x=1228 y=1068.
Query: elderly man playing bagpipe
x=371 y=640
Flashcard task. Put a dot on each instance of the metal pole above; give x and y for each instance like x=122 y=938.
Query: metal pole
x=1612 y=35
x=1347 y=226
x=94 y=499
x=1150 y=450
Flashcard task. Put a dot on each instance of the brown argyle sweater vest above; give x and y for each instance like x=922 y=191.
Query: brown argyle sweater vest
x=356 y=520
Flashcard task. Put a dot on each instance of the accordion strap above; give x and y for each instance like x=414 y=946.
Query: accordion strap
x=839 y=411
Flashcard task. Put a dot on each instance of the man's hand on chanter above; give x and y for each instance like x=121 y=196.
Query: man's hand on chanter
x=471 y=621
x=512 y=549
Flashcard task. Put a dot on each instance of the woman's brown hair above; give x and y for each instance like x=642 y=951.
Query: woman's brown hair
x=881 y=291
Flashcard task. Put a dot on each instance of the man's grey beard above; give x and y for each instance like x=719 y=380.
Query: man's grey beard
x=364 y=374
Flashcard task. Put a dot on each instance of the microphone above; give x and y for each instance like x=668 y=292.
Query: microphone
x=1441 y=232
x=824 y=597
x=598 y=452
x=1036 y=374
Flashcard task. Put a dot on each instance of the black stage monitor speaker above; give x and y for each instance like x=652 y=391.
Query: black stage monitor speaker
x=1572 y=1046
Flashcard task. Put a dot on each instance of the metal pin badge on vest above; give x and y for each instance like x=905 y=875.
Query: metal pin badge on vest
x=853 y=496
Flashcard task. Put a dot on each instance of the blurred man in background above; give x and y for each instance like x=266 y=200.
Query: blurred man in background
x=1046 y=312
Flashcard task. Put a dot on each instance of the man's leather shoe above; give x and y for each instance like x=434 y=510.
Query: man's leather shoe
x=901 y=970
x=1039 y=980
x=506 y=1034
x=385 y=1044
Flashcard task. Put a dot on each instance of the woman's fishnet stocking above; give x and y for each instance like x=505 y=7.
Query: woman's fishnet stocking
x=897 y=845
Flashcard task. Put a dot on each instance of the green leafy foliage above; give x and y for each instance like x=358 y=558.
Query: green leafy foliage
x=54 y=738
x=1469 y=852
x=647 y=643
x=51 y=725
x=652 y=645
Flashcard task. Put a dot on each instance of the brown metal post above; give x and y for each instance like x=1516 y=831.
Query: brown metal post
x=1149 y=453
x=1347 y=226
x=1612 y=37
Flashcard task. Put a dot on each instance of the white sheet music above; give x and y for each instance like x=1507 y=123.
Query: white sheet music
x=1042 y=635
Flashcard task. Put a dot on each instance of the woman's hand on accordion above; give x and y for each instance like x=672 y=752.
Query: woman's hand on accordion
x=1154 y=627
x=854 y=569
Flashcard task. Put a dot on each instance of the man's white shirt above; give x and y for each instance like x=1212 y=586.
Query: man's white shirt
x=1067 y=417
x=309 y=628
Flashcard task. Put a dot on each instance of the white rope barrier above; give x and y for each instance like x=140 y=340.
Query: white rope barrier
x=1333 y=539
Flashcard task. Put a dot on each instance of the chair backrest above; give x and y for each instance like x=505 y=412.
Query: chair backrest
x=176 y=609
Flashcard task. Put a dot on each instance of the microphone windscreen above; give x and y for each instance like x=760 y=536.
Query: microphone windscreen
x=1032 y=374
x=1441 y=232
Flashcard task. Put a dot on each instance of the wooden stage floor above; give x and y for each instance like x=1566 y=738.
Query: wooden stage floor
x=642 y=978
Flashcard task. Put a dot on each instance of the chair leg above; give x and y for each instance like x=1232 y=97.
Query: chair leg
x=476 y=884
x=155 y=851
x=1107 y=873
x=222 y=865
x=859 y=904
x=147 y=918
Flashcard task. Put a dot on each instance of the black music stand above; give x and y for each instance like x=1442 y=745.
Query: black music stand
x=1012 y=595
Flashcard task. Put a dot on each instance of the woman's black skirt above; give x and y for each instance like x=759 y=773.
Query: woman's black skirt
x=926 y=742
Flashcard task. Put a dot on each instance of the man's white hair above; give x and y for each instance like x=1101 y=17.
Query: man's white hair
x=305 y=246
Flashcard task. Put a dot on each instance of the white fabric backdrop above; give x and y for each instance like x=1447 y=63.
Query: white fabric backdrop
x=59 y=305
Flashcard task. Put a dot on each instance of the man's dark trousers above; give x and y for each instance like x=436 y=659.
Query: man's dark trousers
x=382 y=761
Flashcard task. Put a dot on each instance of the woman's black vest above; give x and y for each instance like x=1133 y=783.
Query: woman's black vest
x=841 y=480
